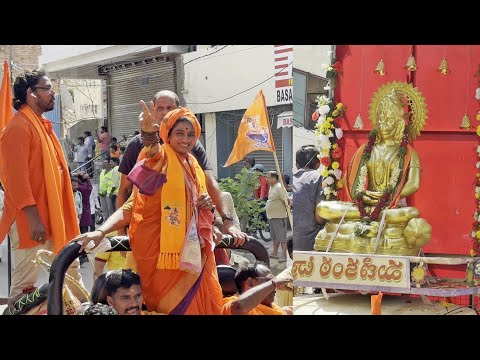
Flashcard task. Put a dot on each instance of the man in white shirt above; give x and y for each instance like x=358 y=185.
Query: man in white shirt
x=277 y=215
x=82 y=153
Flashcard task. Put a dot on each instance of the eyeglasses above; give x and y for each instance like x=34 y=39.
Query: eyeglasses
x=47 y=88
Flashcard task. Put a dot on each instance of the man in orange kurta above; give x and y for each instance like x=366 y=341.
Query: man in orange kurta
x=38 y=194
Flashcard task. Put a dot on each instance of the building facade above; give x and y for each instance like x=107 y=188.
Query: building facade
x=217 y=82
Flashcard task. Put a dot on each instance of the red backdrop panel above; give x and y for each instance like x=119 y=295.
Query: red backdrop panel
x=447 y=154
x=447 y=187
x=358 y=82
x=448 y=96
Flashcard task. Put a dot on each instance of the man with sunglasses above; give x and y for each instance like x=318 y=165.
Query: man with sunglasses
x=39 y=203
x=307 y=193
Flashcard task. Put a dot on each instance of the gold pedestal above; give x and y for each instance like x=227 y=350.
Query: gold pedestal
x=404 y=233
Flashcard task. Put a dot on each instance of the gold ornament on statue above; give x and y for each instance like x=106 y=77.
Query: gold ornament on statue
x=358 y=123
x=466 y=124
x=359 y=224
x=380 y=69
x=411 y=64
x=443 y=68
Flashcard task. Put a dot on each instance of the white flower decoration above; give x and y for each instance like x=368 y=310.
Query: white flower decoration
x=324 y=109
x=477 y=94
x=323 y=138
x=326 y=145
x=338 y=133
x=478 y=165
x=329 y=180
x=322 y=100
x=337 y=173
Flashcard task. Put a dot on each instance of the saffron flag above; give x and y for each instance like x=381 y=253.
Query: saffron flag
x=254 y=132
x=6 y=105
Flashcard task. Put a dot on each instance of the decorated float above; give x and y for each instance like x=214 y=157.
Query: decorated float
x=399 y=151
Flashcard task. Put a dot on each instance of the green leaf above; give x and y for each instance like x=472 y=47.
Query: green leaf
x=249 y=210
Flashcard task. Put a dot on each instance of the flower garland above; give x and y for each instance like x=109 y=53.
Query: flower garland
x=360 y=182
x=328 y=130
x=476 y=216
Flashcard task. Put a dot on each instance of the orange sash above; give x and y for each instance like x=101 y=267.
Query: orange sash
x=61 y=206
x=164 y=289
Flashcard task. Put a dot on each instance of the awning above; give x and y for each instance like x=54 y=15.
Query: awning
x=285 y=119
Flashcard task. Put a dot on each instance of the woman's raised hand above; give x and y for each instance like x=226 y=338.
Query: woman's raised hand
x=147 y=122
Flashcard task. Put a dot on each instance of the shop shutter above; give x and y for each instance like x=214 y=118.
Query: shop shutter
x=130 y=85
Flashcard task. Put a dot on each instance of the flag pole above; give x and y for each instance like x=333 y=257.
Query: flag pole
x=280 y=177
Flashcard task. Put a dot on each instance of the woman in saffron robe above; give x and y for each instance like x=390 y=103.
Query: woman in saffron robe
x=171 y=222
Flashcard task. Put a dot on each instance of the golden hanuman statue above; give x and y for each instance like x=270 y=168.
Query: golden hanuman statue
x=385 y=170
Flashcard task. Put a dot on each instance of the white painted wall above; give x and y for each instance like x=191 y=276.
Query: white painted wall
x=228 y=72
x=60 y=57
x=211 y=140
x=86 y=102
x=56 y=52
x=309 y=58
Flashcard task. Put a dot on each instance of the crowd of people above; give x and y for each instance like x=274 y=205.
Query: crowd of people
x=160 y=190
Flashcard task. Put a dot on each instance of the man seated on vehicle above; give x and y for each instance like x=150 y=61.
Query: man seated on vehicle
x=124 y=293
x=257 y=286
x=226 y=278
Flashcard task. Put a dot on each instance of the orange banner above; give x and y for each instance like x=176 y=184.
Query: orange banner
x=254 y=132
x=6 y=105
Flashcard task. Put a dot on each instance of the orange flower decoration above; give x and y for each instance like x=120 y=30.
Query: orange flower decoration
x=315 y=116
x=337 y=153
x=325 y=161
x=337 y=66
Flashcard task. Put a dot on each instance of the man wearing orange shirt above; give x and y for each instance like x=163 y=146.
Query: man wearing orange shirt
x=38 y=192
x=257 y=287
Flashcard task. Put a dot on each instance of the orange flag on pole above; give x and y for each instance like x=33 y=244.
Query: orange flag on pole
x=6 y=105
x=254 y=132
